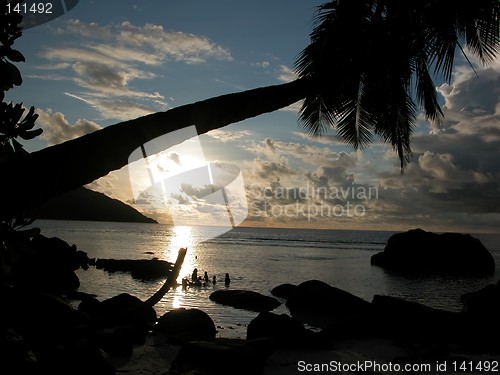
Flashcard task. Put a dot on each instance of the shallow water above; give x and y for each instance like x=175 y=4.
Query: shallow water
x=257 y=259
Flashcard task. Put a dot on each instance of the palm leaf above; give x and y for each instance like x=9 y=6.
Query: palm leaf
x=370 y=63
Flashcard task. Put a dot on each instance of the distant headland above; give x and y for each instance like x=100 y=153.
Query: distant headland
x=88 y=205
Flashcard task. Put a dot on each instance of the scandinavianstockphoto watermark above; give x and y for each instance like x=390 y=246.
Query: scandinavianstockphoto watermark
x=311 y=201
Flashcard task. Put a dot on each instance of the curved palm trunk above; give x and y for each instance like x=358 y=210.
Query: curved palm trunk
x=34 y=178
x=170 y=282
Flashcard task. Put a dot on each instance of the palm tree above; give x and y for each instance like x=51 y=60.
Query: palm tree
x=366 y=71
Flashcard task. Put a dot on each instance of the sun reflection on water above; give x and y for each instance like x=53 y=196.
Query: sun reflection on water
x=184 y=236
x=177 y=301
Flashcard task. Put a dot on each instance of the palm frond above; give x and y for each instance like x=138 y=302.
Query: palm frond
x=426 y=90
x=370 y=62
x=316 y=116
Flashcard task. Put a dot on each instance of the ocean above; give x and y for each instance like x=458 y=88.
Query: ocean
x=256 y=259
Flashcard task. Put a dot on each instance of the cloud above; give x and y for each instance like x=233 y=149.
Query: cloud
x=56 y=129
x=117 y=108
x=452 y=182
x=286 y=74
x=262 y=64
x=455 y=175
x=111 y=59
x=229 y=136
x=176 y=46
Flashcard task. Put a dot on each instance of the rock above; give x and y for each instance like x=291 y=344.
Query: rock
x=284 y=290
x=43 y=317
x=483 y=303
x=123 y=309
x=115 y=343
x=411 y=321
x=184 y=325
x=47 y=264
x=245 y=299
x=421 y=252
x=482 y=309
x=287 y=332
x=17 y=354
x=143 y=269
x=320 y=304
x=80 y=359
x=221 y=357
x=363 y=325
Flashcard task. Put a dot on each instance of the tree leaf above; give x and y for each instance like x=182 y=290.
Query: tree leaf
x=13 y=73
x=29 y=120
x=15 y=55
x=30 y=134
x=18 y=147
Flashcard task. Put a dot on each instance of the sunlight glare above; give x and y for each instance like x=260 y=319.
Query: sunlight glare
x=183 y=236
x=177 y=301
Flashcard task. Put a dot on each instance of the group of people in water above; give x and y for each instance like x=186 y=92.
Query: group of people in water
x=203 y=281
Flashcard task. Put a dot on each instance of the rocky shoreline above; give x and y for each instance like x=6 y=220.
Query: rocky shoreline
x=324 y=324
x=386 y=331
x=43 y=331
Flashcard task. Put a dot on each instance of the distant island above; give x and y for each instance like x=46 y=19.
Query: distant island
x=88 y=205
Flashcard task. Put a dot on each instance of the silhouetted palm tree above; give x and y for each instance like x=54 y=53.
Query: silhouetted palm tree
x=367 y=69
x=370 y=61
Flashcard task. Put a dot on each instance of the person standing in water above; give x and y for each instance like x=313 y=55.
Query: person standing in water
x=194 y=276
x=227 y=280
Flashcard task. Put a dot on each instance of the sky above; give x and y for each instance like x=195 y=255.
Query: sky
x=104 y=62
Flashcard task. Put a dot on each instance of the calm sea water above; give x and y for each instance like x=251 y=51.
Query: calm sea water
x=257 y=259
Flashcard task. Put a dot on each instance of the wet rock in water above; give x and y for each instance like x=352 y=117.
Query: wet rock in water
x=143 y=269
x=419 y=252
x=284 y=290
x=319 y=304
x=221 y=357
x=245 y=299
x=184 y=325
x=286 y=331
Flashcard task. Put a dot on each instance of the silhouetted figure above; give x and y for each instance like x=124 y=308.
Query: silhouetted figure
x=214 y=280
x=200 y=281
x=205 y=277
x=184 y=283
x=227 y=280
x=194 y=276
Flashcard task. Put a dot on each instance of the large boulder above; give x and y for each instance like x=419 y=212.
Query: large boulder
x=404 y=320
x=319 y=304
x=45 y=264
x=245 y=299
x=286 y=331
x=122 y=309
x=483 y=303
x=421 y=252
x=284 y=290
x=41 y=316
x=184 y=325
